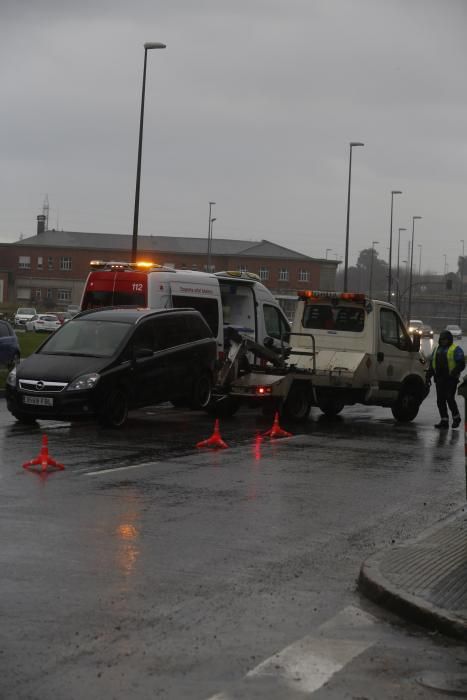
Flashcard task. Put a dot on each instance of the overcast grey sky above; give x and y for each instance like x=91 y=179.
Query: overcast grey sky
x=252 y=105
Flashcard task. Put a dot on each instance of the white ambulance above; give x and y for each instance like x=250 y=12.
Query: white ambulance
x=235 y=299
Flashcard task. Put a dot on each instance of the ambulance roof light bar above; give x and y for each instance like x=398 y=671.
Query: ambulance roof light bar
x=142 y=265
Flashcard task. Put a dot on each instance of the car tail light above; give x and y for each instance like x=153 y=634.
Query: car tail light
x=263 y=390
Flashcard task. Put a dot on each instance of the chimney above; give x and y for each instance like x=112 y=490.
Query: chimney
x=40 y=224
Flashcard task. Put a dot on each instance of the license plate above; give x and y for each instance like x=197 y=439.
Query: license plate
x=38 y=400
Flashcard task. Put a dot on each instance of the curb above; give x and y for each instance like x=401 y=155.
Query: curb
x=380 y=590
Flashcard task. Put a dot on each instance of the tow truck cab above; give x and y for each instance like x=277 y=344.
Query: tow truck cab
x=225 y=299
x=363 y=353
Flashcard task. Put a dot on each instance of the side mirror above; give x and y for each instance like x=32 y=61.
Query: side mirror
x=416 y=343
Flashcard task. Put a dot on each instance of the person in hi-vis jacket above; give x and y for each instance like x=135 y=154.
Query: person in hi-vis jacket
x=446 y=364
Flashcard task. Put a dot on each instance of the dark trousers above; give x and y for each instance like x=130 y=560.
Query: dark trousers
x=445 y=393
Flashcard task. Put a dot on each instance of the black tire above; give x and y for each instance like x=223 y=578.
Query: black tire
x=330 y=407
x=201 y=393
x=14 y=362
x=297 y=405
x=24 y=418
x=114 y=412
x=223 y=408
x=406 y=407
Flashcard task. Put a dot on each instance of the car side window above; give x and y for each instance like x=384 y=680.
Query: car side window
x=171 y=331
x=4 y=331
x=197 y=329
x=392 y=330
x=143 y=338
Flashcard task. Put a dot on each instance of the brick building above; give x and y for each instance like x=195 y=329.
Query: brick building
x=48 y=270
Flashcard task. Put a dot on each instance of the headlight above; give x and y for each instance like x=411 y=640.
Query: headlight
x=11 y=379
x=87 y=381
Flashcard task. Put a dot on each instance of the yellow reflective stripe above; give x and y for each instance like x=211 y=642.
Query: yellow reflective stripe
x=450 y=357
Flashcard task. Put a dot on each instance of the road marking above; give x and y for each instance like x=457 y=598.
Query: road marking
x=99 y=472
x=306 y=665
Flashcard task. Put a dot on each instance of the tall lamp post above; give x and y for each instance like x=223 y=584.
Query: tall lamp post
x=409 y=306
x=134 y=246
x=398 y=269
x=346 y=261
x=211 y=204
x=461 y=286
x=370 y=286
x=420 y=248
x=328 y=250
x=393 y=192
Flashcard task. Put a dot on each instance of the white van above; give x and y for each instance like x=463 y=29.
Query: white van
x=235 y=299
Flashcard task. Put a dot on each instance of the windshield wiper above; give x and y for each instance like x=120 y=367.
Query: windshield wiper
x=71 y=354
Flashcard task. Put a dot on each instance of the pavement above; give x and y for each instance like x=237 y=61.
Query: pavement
x=425 y=578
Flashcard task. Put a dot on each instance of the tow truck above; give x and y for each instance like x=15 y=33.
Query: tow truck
x=343 y=349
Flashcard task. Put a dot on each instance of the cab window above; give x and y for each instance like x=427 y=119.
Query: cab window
x=275 y=324
x=335 y=318
x=392 y=330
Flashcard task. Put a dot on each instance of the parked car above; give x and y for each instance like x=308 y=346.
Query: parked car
x=104 y=362
x=64 y=316
x=24 y=314
x=45 y=323
x=455 y=330
x=9 y=347
x=426 y=331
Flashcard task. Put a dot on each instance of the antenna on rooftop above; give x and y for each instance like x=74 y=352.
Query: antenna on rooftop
x=45 y=211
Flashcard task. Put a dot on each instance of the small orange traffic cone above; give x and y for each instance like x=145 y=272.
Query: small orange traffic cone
x=43 y=458
x=276 y=431
x=215 y=441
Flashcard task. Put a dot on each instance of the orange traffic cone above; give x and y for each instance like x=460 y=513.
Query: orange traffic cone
x=276 y=431
x=215 y=441
x=43 y=458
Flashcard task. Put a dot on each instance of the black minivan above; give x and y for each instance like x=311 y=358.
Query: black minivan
x=105 y=362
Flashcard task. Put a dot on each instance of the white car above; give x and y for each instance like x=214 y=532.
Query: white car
x=455 y=330
x=44 y=322
x=23 y=315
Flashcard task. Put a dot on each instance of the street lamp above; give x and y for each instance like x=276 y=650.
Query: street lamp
x=398 y=270
x=134 y=247
x=393 y=192
x=461 y=285
x=419 y=246
x=328 y=250
x=373 y=243
x=346 y=262
x=211 y=204
x=409 y=307
x=445 y=264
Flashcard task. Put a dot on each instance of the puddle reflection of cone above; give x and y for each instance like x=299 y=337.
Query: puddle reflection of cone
x=215 y=441
x=276 y=431
x=43 y=458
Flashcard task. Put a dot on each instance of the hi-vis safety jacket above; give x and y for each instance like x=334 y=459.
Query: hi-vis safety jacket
x=452 y=362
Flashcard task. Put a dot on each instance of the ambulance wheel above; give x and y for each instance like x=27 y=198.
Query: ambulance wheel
x=201 y=392
x=224 y=408
x=297 y=405
x=330 y=407
x=406 y=407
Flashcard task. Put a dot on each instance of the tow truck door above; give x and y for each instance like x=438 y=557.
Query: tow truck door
x=393 y=353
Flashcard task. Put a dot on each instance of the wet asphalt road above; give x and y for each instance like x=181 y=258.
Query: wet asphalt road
x=148 y=569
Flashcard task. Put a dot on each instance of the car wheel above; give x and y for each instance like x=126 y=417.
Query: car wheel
x=201 y=392
x=23 y=418
x=223 y=408
x=14 y=361
x=115 y=409
x=330 y=407
x=297 y=405
x=406 y=407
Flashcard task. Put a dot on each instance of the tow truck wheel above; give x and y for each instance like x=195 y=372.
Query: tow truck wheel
x=330 y=407
x=406 y=407
x=297 y=405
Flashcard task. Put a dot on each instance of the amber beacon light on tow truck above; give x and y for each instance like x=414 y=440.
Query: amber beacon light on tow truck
x=141 y=265
x=338 y=296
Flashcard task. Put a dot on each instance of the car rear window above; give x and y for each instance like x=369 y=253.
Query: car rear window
x=335 y=318
x=86 y=338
